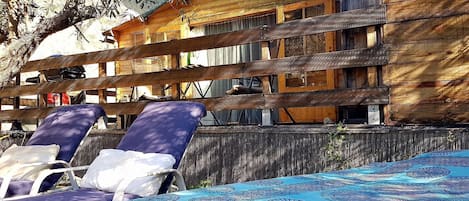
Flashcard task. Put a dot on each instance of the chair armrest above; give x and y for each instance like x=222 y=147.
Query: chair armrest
x=7 y=178
x=45 y=173
x=119 y=194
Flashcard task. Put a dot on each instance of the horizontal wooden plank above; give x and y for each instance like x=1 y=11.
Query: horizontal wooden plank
x=454 y=27
x=327 y=23
x=321 y=61
x=450 y=93
x=442 y=83
x=250 y=101
x=334 y=22
x=341 y=97
x=95 y=92
x=430 y=113
x=430 y=50
x=421 y=9
x=24 y=114
x=23 y=102
x=443 y=70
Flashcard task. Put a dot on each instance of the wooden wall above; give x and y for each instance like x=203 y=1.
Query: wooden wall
x=428 y=70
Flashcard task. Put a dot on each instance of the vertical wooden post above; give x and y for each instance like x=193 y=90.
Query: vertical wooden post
x=266 y=87
x=184 y=32
x=0 y=110
x=16 y=103
x=42 y=102
x=175 y=87
x=372 y=40
x=283 y=116
x=41 y=98
x=373 y=110
x=281 y=48
x=102 y=96
x=330 y=44
x=16 y=100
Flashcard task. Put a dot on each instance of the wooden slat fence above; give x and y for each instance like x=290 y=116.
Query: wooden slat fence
x=331 y=60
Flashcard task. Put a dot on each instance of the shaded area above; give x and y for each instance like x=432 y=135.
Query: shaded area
x=427 y=72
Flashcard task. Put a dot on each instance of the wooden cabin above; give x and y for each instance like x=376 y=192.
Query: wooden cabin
x=427 y=70
x=213 y=17
x=311 y=61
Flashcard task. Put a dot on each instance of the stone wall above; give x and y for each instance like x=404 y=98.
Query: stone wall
x=241 y=153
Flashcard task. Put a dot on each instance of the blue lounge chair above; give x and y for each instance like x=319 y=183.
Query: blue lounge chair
x=65 y=126
x=162 y=127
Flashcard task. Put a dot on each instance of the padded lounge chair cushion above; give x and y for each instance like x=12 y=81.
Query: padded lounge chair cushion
x=78 y=195
x=66 y=127
x=18 y=187
x=112 y=166
x=15 y=156
x=164 y=127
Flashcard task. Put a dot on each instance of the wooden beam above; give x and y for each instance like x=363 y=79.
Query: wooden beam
x=22 y=114
x=236 y=102
x=372 y=41
x=403 y=11
x=102 y=95
x=266 y=86
x=316 y=62
x=42 y=98
x=314 y=25
x=23 y=102
x=265 y=54
x=175 y=86
x=17 y=99
x=1 y=111
x=374 y=113
x=95 y=92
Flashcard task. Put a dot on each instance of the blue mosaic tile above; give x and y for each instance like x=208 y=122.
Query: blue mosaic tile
x=350 y=195
x=455 y=185
x=442 y=161
x=265 y=182
x=396 y=168
x=441 y=153
x=163 y=197
x=258 y=194
x=316 y=185
x=429 y=172
x=440 y=176
x=221 y=198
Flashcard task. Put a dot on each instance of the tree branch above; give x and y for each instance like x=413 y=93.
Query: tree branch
x=16 y=11
x=3 y=22
x=19 y=50
x=73 y=13
x=3 y=35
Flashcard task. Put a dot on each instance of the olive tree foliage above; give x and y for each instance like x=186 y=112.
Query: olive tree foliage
x=24 y=24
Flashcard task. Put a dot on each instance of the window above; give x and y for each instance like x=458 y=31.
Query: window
x=305 y=45
x=161 y=62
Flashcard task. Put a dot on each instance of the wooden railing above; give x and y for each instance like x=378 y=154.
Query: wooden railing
x=268 y=35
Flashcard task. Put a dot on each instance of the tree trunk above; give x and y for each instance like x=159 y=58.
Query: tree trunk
x=15 y=53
